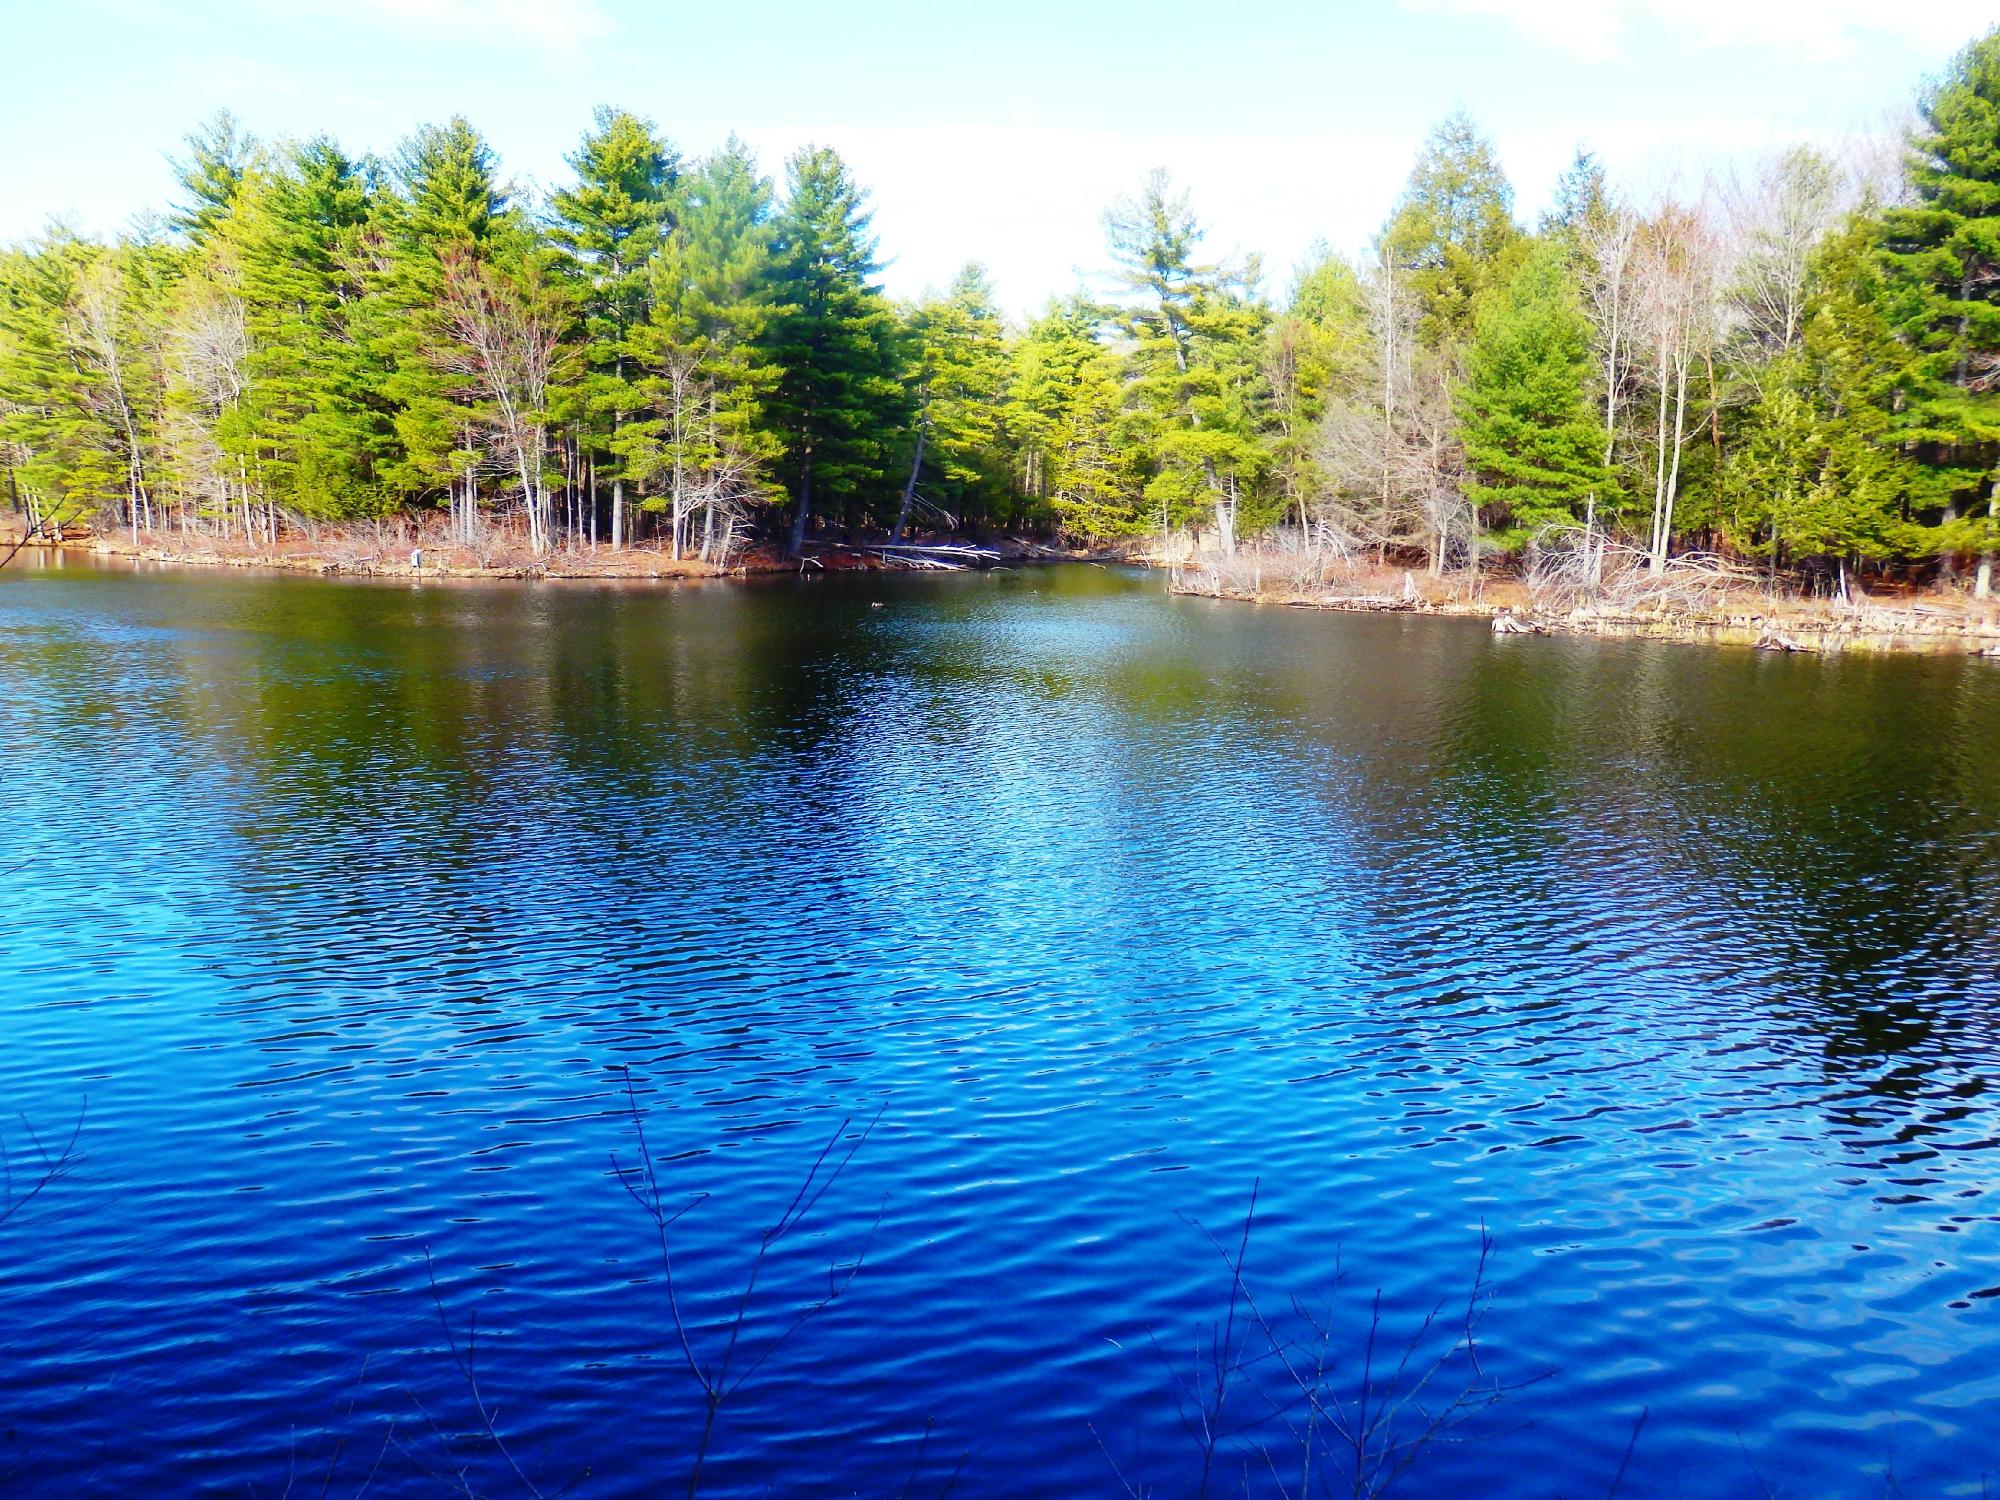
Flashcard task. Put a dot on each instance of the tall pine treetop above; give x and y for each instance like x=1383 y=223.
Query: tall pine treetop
x=451 y=190
x=220 y=155
x=620 y=204
x=1453 y=228
x=1942 y=255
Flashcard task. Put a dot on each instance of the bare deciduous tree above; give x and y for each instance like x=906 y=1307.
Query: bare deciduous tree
x=504 y=329
x=208 y=352
x=1389 y=450
x=1609 y=245
x=1777 y=221
x=100 y=318
x=1682 y=319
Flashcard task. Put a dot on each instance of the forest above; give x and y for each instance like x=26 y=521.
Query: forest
x=1794 y=364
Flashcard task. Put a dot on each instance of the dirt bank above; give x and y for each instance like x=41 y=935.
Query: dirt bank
x=1731 y=614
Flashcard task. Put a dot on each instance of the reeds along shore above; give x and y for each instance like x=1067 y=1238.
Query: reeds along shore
x=1697 y=597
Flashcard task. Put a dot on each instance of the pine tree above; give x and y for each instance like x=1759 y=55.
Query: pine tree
x=1318 y=346
x=1195 y=392
x=1942 y=256
x=957 y=343
x=1097 y=487
x=609 y=226
x=1044 y=369
x=1453 y=229
x=315 y=419
x=1532 y=435
x=1817 y=472
x=698 y=435
x=83 y=388
x=838 y=401
x=68 y=458
x=220 y=155
x=448 y=205
x=1582 y=199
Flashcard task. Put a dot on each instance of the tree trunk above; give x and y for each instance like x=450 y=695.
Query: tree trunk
x=1657 y=550
x=804 y=512
x=1674 y=474
x=910 y=488
x=1982 y=581
x=1225 y=510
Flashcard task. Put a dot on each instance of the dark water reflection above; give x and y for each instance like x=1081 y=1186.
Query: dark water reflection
x=347 y=906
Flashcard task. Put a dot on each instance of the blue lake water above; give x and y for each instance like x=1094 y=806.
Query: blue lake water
x=346 y=914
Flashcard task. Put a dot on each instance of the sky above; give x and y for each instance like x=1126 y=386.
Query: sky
x=995 y=132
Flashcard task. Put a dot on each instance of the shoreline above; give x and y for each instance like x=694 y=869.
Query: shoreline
x=631 y=563
x=1937 y=624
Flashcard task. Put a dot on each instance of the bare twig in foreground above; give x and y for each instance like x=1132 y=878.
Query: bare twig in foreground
x=723 y=1372
x=20 y=1187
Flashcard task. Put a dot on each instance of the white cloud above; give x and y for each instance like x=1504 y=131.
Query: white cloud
x=1599 y=29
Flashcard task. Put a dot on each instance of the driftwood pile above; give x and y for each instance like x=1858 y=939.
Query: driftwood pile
x=929 y=557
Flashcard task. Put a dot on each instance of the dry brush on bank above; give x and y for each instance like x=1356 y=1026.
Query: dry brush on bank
x=1590 y=586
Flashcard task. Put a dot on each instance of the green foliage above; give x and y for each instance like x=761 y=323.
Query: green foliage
x=957 y=343
x=337 y=338
x=1317 y=346
x=220 y=155
x=1195 y=396
x=1453 y=229
x=839 y=402
x=1582 y=198
x=63 y=452
x=1817 y=472
x=702 y=371
x=609 y=226
x=1941 y=255
x=446 y=203
x=311 y=417
x=82 y=388
x=1532 y=433
x=1061 y=412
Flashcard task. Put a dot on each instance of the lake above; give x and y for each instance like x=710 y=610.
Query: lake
x=368 y=925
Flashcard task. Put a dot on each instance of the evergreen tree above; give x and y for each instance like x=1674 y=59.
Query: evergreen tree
x=1581 y=201
x=957 y=344
x=220 y=155
x=82 y=382
x=68 y=457
x=315 y=419
x=1044 y=371
x=447 y=206
x=838 y=402
x=1195 y=393
x=699 y=437
x=1532 y=436
x=1098 y=483
x=1942 y=255
x=1817 y=472
x=1453 y=229
x=1318 y=346
x=608 y=226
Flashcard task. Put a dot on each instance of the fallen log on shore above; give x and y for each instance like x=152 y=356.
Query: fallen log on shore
x=949 y=557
